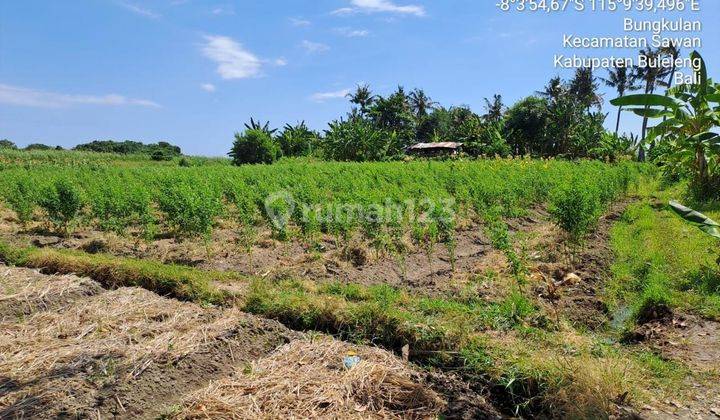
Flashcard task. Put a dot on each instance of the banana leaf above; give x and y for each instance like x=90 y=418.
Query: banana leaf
x=651 y=113
x=647 y=100
x=703 y=222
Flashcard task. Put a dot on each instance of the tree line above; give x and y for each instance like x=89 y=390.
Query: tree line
x=157 y=151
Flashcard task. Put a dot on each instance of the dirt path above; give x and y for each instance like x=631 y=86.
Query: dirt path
x=695 y=343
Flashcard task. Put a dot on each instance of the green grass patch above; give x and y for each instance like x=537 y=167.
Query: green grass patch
x=180 y=282
x=663 y=261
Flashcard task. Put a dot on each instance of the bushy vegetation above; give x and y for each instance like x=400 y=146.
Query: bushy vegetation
x=7 y=144
x=160 y=151
x=564 y=119
x=188 y=201
x=689 y=114
x=663 y=261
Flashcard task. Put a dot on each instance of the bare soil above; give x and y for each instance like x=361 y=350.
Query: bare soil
x=568 y=280
x=695 y=343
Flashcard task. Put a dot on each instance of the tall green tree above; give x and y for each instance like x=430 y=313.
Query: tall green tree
x=7 y=144
x=584 y=87
x=623 y=81
x=420 y=103
x=362 y=97
x=494 y=109
x=394 y=114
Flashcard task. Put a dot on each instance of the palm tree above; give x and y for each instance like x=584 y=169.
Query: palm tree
x=622 y=81
x=554 y=90
x=362 y=97
x=673 y=52
x=421 y=103
x=584 y=88
x=494 y=109
x=651 y=75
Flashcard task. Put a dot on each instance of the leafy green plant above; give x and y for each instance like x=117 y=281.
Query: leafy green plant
x=703 y=222
x=63 y=201
x=576 y=208
x=688 y=118
x=254 y=146
x=190 y=209
x=22 y=198
x=297 y=140
x=359 y=140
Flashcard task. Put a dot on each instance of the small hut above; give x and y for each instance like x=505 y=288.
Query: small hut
x=446 y=148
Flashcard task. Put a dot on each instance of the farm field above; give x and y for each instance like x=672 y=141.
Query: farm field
x=511 y=287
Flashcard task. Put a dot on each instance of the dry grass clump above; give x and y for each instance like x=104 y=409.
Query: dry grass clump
x=23 y=291
x=131 y=325
x=307 y=379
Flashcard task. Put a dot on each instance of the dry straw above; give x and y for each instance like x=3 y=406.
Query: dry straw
x=307 y=379
x=134 y=326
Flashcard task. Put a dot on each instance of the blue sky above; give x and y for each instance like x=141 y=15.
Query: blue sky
x=193 y=71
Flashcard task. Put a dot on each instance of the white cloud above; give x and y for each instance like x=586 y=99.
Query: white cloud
x=280 y=62
x=13 y=95
x=223 y=10
x=314 y=47
x=352 y=33
x=139 y=10
x=326 y=96
x=208 y=87
x=234 y=61
x=380 y=6
x=300 y=22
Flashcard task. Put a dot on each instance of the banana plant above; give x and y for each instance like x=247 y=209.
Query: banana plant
x=690 y=113
x=703 y=222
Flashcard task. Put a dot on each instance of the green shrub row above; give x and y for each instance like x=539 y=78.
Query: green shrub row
x=189 y=201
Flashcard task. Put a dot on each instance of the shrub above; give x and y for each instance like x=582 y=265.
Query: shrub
x=576 y=208
x=22 y=198
x=190 y=209
x=159 y=156
x=297 y=140
x=63 y=202
x=254 y=146
x=119 y=205
x=38 y=146
x=359 y=140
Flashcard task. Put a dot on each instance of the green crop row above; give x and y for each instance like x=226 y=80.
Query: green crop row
x=305 y=198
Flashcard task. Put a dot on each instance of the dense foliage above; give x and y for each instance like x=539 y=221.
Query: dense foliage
x=688 y=133
x=564 y=119
x=131 y=147
x=7 y=144
x=254 y=146
x=188 y=201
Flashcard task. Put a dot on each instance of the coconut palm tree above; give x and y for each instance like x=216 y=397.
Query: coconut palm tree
x=421 y=103
x=362 y=97
x=622 y=81
x=673 y=52
x=494 y=109
x=651 y=75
